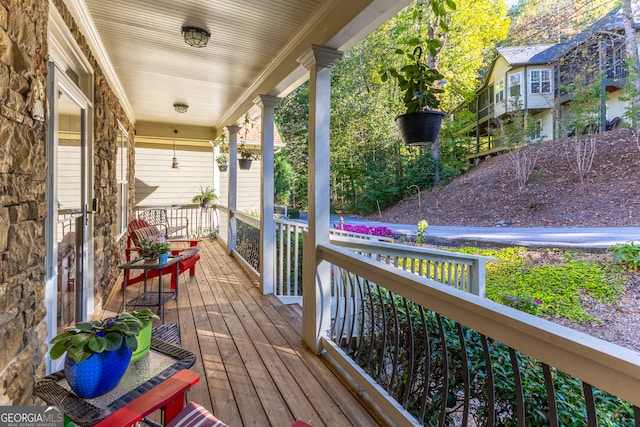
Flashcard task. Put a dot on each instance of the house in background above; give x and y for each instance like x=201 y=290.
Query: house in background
x=534 y=79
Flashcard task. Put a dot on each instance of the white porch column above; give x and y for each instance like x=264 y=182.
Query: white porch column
x=233 y=185
x=267 y=226
x=316 y=296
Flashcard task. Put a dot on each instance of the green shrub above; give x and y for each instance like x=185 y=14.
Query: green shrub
x=561 y=288
x=627 y=254
x=293 y=213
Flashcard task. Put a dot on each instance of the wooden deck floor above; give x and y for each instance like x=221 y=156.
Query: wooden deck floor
x=254 y=369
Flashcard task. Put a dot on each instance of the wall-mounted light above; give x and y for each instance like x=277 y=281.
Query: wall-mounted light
x=195 y=36
x=174 y=162
x=181 y=108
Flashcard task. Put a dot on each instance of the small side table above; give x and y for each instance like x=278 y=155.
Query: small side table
x=149 y=298
x=148 y=378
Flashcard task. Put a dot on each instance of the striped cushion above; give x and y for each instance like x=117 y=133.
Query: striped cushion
x=194 y=415
x=147 y=233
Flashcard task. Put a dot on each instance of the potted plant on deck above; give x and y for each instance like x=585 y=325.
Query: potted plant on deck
x=420 y=124
x=152 y=250
x=205 y=198
x=98 y=353
x=145 y=316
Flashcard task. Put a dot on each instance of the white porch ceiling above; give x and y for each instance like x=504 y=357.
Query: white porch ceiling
x=253 y=50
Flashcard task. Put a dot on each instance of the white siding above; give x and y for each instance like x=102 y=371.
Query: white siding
x=159 y=184
x=248 y=199
x=69 y=175
x=498 y=74
x=538 y=100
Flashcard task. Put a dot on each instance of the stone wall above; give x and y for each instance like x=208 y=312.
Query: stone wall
x=23 y=173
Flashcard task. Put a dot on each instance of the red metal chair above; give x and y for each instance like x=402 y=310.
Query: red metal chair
x=139 y=229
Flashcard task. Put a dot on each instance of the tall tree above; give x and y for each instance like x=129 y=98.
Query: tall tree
x=629 y=10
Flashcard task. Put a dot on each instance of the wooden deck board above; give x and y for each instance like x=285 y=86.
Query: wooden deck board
x=254 y=369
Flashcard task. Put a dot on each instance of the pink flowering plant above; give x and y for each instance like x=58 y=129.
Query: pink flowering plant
x=380 y=231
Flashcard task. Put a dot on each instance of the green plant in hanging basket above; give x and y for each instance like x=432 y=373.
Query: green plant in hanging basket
x=416 y=78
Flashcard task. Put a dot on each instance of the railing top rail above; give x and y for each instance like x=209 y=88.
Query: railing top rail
x=290 y=222
x=407 y=251
x=174 y=206
x=254 y=222
x=604 y=365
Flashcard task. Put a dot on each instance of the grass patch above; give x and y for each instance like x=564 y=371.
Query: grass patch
x=551 y=283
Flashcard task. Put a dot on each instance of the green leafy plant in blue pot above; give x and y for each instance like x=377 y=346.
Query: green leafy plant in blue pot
x=98 y=353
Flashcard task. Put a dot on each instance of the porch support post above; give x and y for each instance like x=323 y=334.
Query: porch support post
x=267 y=226
x=233 y=186
x=316 y=294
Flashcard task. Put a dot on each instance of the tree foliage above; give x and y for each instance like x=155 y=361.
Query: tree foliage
x=370 y=167
x=284 y=178
x=554 y=21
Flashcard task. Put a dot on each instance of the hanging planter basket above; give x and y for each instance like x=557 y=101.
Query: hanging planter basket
x=222 y=168
x=419 y=128
x=244 y=163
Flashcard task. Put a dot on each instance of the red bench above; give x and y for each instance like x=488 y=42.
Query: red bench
x=138 y=230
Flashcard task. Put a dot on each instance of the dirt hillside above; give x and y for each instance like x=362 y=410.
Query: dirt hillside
x=488 y=194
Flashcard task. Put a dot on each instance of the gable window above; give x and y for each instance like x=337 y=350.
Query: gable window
x=500 y=92
x=515 y=81
x=122 y=180
x=540 y=81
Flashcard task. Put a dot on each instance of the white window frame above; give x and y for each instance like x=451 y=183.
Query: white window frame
x=122 y=180
x=499 y=94
x=538 y=80
x=515 y=76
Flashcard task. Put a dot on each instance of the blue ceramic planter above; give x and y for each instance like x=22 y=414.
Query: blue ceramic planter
x=98 y=374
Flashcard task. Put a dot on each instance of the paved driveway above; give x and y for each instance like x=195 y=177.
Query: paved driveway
x=574 y=237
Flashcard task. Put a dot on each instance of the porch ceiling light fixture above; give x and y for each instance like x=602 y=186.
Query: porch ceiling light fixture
x=181 y=108
x=195 y=36
x=174 y=162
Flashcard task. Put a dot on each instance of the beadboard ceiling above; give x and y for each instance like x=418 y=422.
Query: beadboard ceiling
x=253 y=50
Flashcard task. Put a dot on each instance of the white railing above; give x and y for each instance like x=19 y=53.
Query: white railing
x=466 y=272
x=554 y=349
x=193 y=220
x=462 y=271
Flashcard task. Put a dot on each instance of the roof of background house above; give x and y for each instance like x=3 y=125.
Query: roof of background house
x=521 y=55
x=545 y=53
x=253 y=137
x=254 y=133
